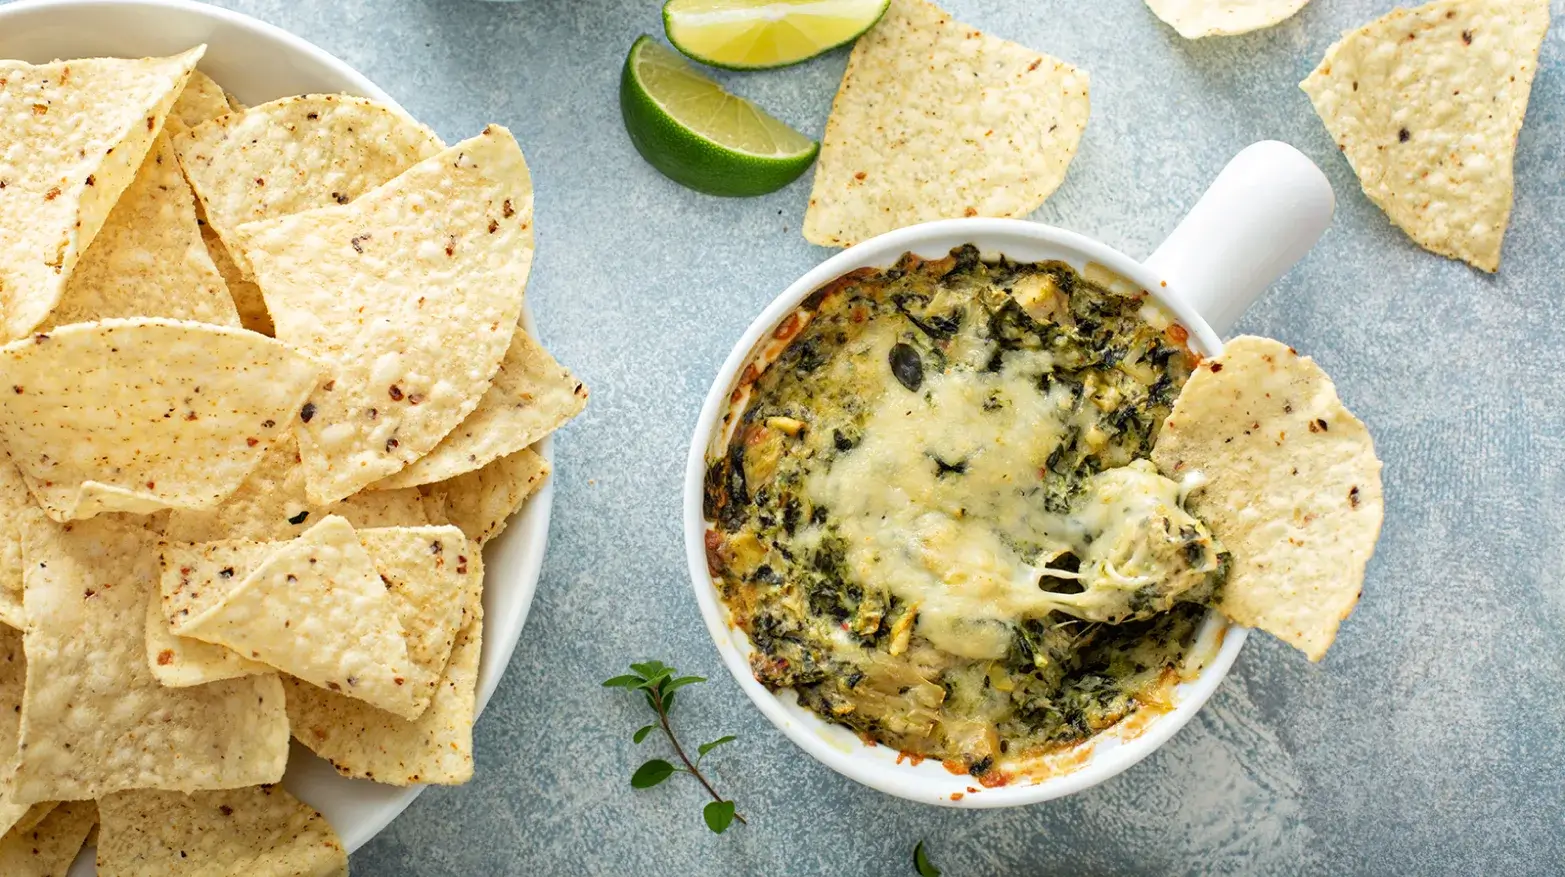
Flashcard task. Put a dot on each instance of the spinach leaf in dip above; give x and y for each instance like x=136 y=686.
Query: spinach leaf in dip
x=935 y=517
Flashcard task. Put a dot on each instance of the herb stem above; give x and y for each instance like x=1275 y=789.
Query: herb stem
x=657 y=704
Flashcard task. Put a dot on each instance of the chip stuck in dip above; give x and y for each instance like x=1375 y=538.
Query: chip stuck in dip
x=946 y=511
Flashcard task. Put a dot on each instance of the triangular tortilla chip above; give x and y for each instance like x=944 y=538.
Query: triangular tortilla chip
x=1291 y=487
x=94 y=720
x=1426 y=104
x=139 y=415
x=315 y=608
x=935 y=120
x=429 y=572
x=195 y=576
x=74 y=135
x=1195 y=19
x=248 y=300
x=296 y=154
x=194 y=572
x=366 y=743
x=180 y=662
x=257 y=832
x=481 y=503
x=202 y=100
x=271 y=505
x=148 y=260
x=48 y=848
x=532 y=396
x=410 y=294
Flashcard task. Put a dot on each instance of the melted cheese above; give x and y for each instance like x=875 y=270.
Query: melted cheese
x=962 y=546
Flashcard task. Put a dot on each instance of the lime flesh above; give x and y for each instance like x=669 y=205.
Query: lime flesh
x=699 y=135
x=754 y=34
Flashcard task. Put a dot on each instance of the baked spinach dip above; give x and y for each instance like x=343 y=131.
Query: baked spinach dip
x=933 y=514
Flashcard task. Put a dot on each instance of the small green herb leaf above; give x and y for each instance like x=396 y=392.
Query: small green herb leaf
x=670 y=686
x=650 y=774
x=642 y=733
x=719 y=815
x=704 y=748
x=650 y=670
x=623 y=682
x=668 y=701
x=921 y=863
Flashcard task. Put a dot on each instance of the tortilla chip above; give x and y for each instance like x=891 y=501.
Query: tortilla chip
x=246 y=295
x=402 y=507
x=296 y=154
x=178 y=661
x=197 y=577
x=429 y=573
x=13 y=678
x=314 y=608
x=12 y=614
x=138 y=415
x=258 y=832
x=366 y=743
x=36 y=813
x=14 y=502
x=94 y=720
x=1292 y=487
x=935 y=120
x=410 y=294
x=481 y=503
x=72 y=136
x=148 y=260
x=202 y=100
x=48 y=848
x=1426 y=104
x=271 y=505
x=1195 y=19
x=532 y=396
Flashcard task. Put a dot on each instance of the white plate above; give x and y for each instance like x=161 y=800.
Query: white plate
x=258 y=63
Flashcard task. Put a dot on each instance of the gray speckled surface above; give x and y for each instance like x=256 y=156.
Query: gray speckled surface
x=1428 y=741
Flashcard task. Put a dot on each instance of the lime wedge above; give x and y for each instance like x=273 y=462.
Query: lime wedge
x=754 y=34
x=699 y=135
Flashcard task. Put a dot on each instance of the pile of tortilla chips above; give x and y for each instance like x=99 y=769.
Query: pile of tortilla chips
x=265 y=396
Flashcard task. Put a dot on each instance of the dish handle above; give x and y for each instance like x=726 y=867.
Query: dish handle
x=1265 y=210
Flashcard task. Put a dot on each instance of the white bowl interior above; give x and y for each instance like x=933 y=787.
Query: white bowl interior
x=258 y=63
x=882 y=767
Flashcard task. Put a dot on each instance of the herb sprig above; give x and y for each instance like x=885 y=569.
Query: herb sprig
x=657 y=682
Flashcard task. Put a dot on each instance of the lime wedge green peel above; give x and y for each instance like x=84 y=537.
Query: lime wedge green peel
x=755 y=34
x=699 y=135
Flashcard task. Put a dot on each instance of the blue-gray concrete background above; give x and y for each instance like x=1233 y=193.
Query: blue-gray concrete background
x=1429 y=741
